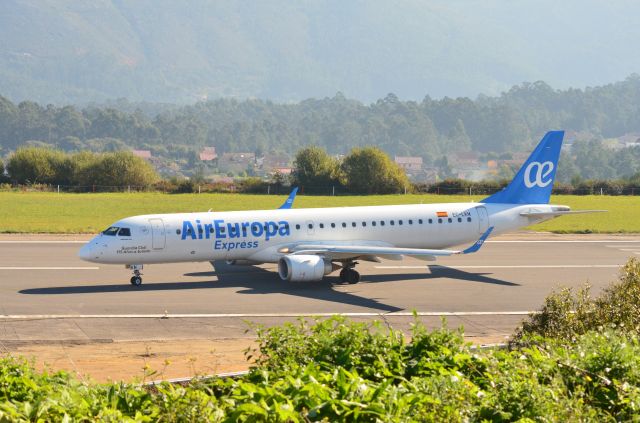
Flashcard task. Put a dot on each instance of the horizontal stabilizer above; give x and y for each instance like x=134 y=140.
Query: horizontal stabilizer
x=553 y=213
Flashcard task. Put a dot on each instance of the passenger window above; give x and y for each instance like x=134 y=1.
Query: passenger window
x=373 y=223
x=399 y=222
x=420 y=221
x=364 y=223
x=297 y=226
x=468 y=219
x=449 y=220
x=430 y=221
x=391 y=222
x=344 y=225
x=333 y=225
x=353 y=224
x=124 y=232
x=310 y=225
x=410 y=222
x=112 y=231
x=439 y=220
x=382 y=223
x=459 y=219
x=178 y=231
x=322 y=226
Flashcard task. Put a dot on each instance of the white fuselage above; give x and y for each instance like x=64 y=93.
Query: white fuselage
x=263 y=235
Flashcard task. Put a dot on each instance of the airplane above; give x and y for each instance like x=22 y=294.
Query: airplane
x=308 y=244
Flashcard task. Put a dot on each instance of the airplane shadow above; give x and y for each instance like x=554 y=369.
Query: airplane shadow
x=442 y=272
x=259 y=281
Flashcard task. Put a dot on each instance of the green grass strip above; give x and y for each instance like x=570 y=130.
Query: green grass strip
x=35 y=212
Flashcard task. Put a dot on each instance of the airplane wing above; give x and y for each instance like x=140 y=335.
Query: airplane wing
x=289 y=202
x=370 y=252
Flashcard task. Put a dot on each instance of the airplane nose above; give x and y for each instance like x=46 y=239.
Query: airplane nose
x=85 y=252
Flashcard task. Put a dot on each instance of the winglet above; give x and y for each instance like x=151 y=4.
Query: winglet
x=476 y=246
x=287 y=204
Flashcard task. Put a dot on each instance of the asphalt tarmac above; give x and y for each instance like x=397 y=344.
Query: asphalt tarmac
x=47 y=294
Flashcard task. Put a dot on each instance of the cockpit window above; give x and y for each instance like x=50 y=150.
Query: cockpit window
x=124 y=232
x=112 y=231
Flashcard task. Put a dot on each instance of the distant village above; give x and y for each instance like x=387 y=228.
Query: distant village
x=466 y=165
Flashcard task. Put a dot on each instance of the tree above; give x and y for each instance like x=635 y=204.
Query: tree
x=370 y=171
x=314 y=170
x=120 y=169
x=36 y=165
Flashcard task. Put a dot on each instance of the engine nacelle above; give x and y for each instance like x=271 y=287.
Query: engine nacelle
x=301 y=268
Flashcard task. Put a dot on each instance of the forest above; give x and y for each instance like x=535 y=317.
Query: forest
x=431 y=129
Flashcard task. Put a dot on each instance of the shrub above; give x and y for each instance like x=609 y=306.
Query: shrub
x=568 y=313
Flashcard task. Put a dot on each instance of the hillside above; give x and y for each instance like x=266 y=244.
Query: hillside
x=67 y=51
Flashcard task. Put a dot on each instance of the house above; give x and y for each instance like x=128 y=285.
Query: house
x=208 y=154
x=410 y=164
x=464 y=159
x=143 y=154
x=282 y=170
x=236 y=162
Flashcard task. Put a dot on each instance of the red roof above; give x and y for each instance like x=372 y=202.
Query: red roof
x=145 y=154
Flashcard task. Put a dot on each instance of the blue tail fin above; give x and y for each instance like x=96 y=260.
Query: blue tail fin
x=534 y=180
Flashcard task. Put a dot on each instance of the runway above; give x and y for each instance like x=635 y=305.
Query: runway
x=47 y=294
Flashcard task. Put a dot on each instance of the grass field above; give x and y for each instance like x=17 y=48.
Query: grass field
x=33 y=212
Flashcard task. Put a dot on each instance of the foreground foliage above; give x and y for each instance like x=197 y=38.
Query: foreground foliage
x=568 y=313
x=577 y=360
x=336 y=370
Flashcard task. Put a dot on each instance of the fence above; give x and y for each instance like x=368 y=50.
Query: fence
x=328 y=190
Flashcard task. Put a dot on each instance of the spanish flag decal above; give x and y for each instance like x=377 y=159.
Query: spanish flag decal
x=441 y=214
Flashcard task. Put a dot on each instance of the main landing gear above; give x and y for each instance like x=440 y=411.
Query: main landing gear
x=348 y=274
x=136 y=279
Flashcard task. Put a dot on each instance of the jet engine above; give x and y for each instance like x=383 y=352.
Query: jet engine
x=303 y=268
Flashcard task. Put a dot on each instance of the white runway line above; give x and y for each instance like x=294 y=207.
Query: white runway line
x=48 y=268
x=542 y=266
x=234 y=315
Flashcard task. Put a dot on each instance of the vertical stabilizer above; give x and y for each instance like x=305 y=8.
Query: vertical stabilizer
x=534 y=181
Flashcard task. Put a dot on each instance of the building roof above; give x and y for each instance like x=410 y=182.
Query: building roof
x=145 y=154
x=408 y=160
x=208 y=154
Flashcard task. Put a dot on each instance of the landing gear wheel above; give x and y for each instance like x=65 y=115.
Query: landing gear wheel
x=343 y=275
x=136 y=279
x=353 y=277
x=349 y=275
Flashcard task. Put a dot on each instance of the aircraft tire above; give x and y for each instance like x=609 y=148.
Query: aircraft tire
x=344 y=275
x=353 y=277
x=136 y=280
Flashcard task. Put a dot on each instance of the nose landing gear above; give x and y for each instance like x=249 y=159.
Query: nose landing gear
x=136 y=279
x=348 y=274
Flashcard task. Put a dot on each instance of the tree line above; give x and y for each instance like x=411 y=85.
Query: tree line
x=431 y=129
x=364 y=171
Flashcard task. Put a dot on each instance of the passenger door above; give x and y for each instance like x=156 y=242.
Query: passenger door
x=158 y=234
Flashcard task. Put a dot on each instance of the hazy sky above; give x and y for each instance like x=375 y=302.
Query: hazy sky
x=163 y=50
